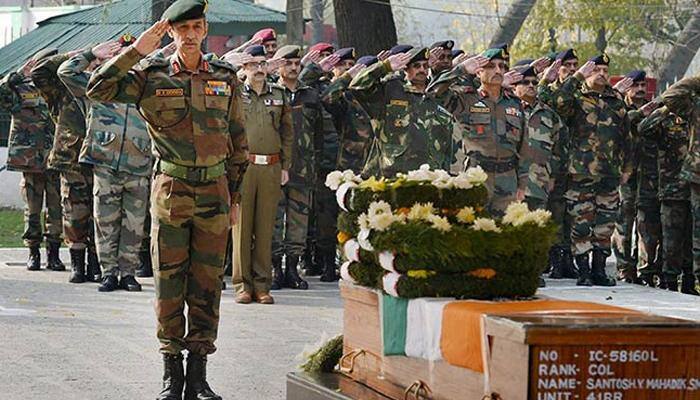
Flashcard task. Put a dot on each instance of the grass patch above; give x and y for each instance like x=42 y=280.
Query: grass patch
x=11 y=227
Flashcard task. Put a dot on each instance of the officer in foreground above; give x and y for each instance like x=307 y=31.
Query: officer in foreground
x=194 y=116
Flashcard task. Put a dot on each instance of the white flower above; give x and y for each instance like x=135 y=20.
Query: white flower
x=476 y=175
x=334 y=179
x=420 y=211
x=422 y=174
x=486 y=225
x=363 y=222
x=462 y=181
x=538 y=217
x=378 y=207
x=349 y=176
x=440 y=223
x=515 y=212
x=441 y=183
x=466 y=215
x=381 y=222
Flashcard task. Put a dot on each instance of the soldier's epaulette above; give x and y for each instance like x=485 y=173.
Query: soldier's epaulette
x=156 y=61
x=275 y=86
x=222 y=64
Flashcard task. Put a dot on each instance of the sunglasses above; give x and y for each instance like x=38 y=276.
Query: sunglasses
x=529 y=82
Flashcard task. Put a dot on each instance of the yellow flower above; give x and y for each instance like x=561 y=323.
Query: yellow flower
x=515 y=213
x=420 y=274
x=420 y=211
x=484 y=273
x=440 y=223
x=398 y=182
x=373 y=184
x=466 y=215
x=486 y=225
x=343 y=237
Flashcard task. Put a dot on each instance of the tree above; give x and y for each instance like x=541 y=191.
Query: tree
x=682 y=53
x=295 y=22
x=510 y=25
x=367 y=25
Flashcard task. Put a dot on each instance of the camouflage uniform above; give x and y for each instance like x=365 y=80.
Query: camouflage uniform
x=683 y=99
x=31 y=137
x=598 y=155
x=411 y=128
x=493 y=136
x=196 y=125
x=68 y=114
x=119 y=149
x=670 y=133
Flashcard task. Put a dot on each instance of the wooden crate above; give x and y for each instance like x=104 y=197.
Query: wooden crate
x=537 y=357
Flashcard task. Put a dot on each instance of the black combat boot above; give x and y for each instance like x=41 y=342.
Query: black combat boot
x=329 y=268
x=313 y=263
x=196 y=387
x=648 y=280
x=567 y=264
x=109 y=283
x=277 y=273
x=598 y=275
x=34 y=261
x=556 y=266
x=291 y=274
x=129 y=283
x=670 y=282
x=688 y=284
x=173 y=377
x=94 y=273
x=77 y=266
x=584 y=270
x=53 y=261
x=145 y=268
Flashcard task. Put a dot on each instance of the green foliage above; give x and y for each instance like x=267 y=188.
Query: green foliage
x=11 y=227
x=463 y=286
x=367 y=273
x=326 y=357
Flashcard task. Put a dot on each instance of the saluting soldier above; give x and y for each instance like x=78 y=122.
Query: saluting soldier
x=29 y=144
x=193 y=112
x=269 y=135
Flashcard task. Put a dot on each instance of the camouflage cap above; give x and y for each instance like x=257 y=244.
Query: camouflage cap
x=637 y=75
x=497 y=53
x=288 y=52
x=47 y=52
x=400 y=48
x=347 y=53
x=266 y=35
x=183 y=10
x=602 y=59
x=444 y=44
x=367 y=60
x=418 y=54
x=568 y=54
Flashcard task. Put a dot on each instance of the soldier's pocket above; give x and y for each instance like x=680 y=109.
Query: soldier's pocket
x=161 y=197
x=479 y=126
x=514 y=131
x=217 y=111
x=165 y=111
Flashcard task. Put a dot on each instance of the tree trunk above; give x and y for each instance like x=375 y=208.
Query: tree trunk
x=317 y=20
x=682 y=54
x=295 y=22
x=512 y=22
x=366 y=25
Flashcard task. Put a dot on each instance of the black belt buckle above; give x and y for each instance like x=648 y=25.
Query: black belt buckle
x=196 y=174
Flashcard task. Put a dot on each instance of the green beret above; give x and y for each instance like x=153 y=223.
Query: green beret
x=288 y=51
x=418 y=54
x=183 y=10
x=497 y=53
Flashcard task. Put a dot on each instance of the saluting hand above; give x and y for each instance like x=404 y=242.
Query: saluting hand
x=623 y=85
x=106 y=50
x=314 y=56
x=550 y=74
x=329 y=62
x=587 y=69
x=460 y=59
x=237 y=59
x=27 y=67
x=510 y=78
x=472 y=65
x=383 y=55
x=540 y=64
x=649 y=107
x=149 y=40
x=399 y=61
x=356 y=69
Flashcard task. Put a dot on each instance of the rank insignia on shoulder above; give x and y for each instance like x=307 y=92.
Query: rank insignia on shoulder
x=397 y=102
x=513 y=111
x=174 y=92
x=217 y=88
x=273 y=102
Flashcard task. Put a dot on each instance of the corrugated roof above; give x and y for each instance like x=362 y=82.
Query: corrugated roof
x=78 y=29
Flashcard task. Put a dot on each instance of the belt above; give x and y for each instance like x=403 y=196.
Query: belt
x=496 y=166
x=264 y=159
x=191 y=174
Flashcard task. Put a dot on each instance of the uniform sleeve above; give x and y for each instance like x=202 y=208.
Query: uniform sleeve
x=333 y=98
x=440 y=87
x=9 y=100
x=524 y=155
x=368 y=88
x=630 y=154
x=72 y=73
x=545 y=93
x=44 y=77
x=564 y=98
x=560 y=147
x=682 y=96
x=238 y=147
x=286 y=134
x=116 y=81
x=310 y=75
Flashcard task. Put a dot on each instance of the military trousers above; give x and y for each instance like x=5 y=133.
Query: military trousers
x=624 y=248
x=278 y=249
x=502 y=188
x=326 y=217
x=120 y=201
x=649 y=237
x=695 y=209
x=592 y=204
x=39 y=189
x=252 y=235
x=189 y=229
x=556 y=204
x=76 y=198
x=676 y=225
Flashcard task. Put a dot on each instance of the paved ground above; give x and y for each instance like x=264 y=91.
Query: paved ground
x=69 y=342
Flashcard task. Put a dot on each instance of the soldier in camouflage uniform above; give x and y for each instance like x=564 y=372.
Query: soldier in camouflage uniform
x=292 y=224
x=30 y=140
x=118 y=148
x=671 y=135
x=440 y=60
x=492 y=125
x=598 y=158
x=412 y=128
x=68 y=114
x=195 y=121
x=683 y=99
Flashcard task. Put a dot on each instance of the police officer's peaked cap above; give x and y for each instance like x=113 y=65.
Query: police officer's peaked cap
x=526 y=71
x=443 y=44
x=126 y=39
x=602 y=59
x=289 y=51
x=637 y=75
x=266 y=35
x=418 y=54
x=367 y=60
x=255 y=51
x=183 y=10
x=497 y=53
x=47 y=52
x=524 y=61
x=321 y=47
x=568 y=54
x=400 y=48
x=457 y=52
x=347 y=53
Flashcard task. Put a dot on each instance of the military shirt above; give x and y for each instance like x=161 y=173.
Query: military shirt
x=644 y=158
x=683 y=99
x=117 y=137
x=195 y=118
x=599 y=129
x=268 y=122
x=67 y=112
x=31 y=129
x=412 y=128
